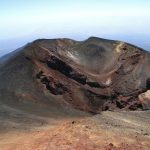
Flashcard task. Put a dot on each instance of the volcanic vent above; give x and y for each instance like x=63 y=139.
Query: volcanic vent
x=92 y=75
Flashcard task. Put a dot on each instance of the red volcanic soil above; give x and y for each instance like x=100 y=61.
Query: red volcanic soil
x=108 y=131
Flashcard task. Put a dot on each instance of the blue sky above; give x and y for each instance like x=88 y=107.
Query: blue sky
x=25 y=20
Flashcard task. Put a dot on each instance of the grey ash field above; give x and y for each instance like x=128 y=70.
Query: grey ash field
x=61 y=94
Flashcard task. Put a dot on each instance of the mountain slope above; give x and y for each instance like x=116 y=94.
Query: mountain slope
x=62 y=74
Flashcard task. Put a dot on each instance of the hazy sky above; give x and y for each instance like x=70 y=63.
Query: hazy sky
x=78 y=19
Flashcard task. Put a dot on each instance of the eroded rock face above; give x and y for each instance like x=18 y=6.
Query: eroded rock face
x=91 y=76
x=148 y=83
x=145 y=99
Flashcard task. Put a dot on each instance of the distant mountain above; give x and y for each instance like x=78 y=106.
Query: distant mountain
x=63 y=74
